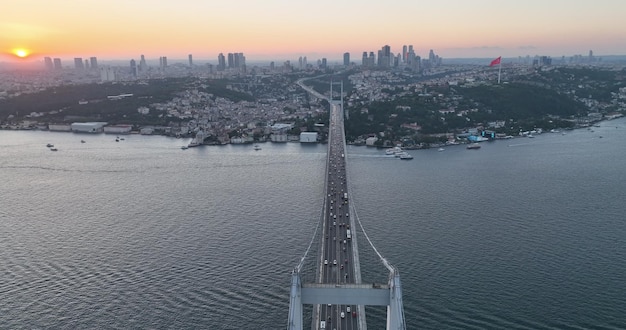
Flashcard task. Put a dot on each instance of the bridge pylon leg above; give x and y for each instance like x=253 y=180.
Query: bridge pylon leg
x=295 y=303
x=395 y=310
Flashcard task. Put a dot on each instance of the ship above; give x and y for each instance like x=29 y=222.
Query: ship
x=405 y=156
x=473 y=146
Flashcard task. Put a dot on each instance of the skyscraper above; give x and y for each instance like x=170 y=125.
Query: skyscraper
x=107 y=74
x=94 y=63
x=57 y=64
x=48 y=63
x=163 y=62
x=221 y=62
x=231 y=60
x=133 y=68
x=404 y=53
x=364 y=61
x=78 y=63
x=142 y=64
x=190 y=61
x=346 y=59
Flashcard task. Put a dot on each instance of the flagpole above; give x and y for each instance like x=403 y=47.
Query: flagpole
x=499 y=71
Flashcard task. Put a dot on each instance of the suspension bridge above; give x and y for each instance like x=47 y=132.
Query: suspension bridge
x=335 y=291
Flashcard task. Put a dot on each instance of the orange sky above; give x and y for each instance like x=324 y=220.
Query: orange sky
x=283 y=30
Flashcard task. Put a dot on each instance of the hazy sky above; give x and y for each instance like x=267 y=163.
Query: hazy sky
x=283 y=30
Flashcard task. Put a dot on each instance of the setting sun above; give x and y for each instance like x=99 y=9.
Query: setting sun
x=20 y=52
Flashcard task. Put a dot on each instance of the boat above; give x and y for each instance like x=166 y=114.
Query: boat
x=473 y=146
x=530 y=136
x=256 y=147
x=441 y=149
x=184 y=147
x=405 y=156
x=117 y=140
x=393 y=151
x=50 y=145
x=54 y=149
x=82 y=141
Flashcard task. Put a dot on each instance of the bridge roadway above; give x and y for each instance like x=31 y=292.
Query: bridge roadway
x=339 y=257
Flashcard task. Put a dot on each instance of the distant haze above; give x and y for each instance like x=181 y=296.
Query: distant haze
x=283 y=30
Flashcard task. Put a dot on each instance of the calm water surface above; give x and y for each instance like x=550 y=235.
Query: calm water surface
x=521 y=234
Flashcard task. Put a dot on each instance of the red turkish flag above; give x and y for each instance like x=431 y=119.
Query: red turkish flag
x=496 y=61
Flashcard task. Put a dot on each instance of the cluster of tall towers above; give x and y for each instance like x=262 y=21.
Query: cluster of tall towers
x=235 y=61
x=408 y=59
x=79 y=64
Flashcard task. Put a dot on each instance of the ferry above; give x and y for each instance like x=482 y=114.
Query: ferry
x=393 y=151
x=405 y=156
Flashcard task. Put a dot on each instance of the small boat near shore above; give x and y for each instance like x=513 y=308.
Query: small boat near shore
x=50 y=145
x=473 y=146
x=257 y=147
x=54 y=149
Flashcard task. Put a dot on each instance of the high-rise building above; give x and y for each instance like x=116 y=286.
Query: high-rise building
x=231 y=60
x=190 y=61
x=48 y=63
x=107 y=74
x=78 y=63
x=324 y=63
x=346 y=59
x=364 y=59
x=94 y=63
x=133 y=68
x=142 y=64
x=404 y=53
x=221 y=62
x=385 y=57
x=57 y=64
x=162 y=62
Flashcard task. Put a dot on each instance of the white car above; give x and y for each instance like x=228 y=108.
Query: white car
x=335 y=262
x=343 y=315
x=326 y=261
x=348 y=309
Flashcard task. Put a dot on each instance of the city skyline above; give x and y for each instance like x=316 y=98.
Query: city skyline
x=279 y=30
